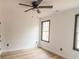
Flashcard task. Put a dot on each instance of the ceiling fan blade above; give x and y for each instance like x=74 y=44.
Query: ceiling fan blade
x=39 y=1
x=45 y=7
x=38 y=11
x=25 y=5
x=28 y=9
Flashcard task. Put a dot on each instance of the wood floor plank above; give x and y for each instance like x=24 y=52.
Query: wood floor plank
x=36 y=53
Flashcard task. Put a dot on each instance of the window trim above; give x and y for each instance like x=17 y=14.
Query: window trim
x=75 y=34
x=42 y=31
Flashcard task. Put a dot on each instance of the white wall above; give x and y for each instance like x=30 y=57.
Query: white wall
x=21 y=29
x=1 y=27
x=62 y=33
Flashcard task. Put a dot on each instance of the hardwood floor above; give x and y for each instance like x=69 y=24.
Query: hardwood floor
x=36 y=53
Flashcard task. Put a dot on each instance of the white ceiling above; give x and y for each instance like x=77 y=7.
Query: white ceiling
x=57 y=5
x=65 y=4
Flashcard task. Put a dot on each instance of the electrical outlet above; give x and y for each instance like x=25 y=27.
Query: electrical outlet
x=61 y=49
x=0 y=22
x=7 y=44
x=0 y=40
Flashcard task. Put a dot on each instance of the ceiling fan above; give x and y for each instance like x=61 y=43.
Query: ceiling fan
x=35 y=5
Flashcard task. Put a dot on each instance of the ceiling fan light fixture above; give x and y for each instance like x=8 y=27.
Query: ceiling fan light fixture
x=35 y=5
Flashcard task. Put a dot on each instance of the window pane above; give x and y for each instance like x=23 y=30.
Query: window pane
x=77 y=36
x=46 y=23
x=77 y=25
x=45 y=36
x=45 y=26
x=78 y=44
x=45 y=30
x=76 y=33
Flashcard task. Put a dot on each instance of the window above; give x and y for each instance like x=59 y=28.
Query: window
x=76 y=33
x=45 y=30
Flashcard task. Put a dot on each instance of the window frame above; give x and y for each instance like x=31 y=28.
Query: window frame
x=42 y=31
x=75 y=33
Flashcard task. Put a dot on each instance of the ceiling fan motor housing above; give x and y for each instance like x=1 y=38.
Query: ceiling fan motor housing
x=35 y=4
